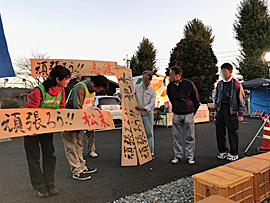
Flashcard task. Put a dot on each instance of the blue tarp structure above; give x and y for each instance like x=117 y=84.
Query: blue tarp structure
x=258 y=100
x=6 y=68
x=259 y=94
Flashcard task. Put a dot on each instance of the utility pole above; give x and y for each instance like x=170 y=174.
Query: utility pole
x=24 y=80
x=6 y=80
x=127 y=61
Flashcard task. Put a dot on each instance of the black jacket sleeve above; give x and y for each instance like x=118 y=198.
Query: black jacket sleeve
x=169 y=93
x=195 y=97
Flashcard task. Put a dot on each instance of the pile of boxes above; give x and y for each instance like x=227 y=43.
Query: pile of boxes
x=246 y=180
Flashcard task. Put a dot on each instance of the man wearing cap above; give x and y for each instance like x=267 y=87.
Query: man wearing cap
x=146 y=99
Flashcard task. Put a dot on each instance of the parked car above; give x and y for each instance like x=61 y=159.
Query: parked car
x=110 y=103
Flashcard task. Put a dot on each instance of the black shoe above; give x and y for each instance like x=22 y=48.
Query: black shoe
x=81 y=176
x=43 y=192
x=52 y=190
x=90 y=171
x=153 y=157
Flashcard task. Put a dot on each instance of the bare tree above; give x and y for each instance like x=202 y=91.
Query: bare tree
x=24 y=68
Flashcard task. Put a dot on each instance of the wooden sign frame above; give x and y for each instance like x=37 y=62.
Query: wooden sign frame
x=42 y=67
x=28 y=121
x=134 y=140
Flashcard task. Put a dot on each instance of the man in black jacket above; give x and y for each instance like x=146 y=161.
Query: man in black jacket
x=185 y=102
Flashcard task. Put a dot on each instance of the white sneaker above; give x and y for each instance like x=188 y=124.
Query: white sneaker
x=93 y=154
x=222 y=155
x=90 y=171
x=232 y=157
x=175 y=160
x=191 y=161
x=81 y=176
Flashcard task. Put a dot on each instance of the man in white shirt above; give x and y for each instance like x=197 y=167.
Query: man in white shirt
x=146 y=99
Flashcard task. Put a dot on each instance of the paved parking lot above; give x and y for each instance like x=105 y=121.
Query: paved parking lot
x=113 y=181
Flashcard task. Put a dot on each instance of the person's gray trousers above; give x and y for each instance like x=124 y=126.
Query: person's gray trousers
x=183 y=131
x=148 y=122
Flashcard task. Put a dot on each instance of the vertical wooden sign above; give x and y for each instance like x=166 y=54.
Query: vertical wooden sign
x=124 y=77
x=128 y=155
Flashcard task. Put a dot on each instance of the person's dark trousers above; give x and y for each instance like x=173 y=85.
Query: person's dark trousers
x=40 y=178
x=224 y=120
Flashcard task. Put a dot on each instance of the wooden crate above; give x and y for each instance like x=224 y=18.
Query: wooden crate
x=225 y=181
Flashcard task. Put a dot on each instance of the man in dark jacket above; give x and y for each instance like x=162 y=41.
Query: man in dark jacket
x=185 y=102
x=230 y=105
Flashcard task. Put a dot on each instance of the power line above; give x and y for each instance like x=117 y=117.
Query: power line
x=227 y=60
x=163 y=63
x=227 y=56
x=226 y=52
x=163 y=59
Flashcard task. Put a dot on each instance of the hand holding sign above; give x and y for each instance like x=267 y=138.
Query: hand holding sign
x=140 y=108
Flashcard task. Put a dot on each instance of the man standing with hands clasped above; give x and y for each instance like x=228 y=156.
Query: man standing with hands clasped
x=230 y=105
x=146 y=99
x=184 y=97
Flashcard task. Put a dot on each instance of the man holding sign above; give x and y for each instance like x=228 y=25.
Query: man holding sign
x=81 y=97
x=146 y=98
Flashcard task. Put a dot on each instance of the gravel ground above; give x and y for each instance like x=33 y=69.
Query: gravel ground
x=180 y=190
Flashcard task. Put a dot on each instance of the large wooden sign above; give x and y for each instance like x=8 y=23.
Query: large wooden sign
x=21 y=122
x=134 y=140
x=42 y=67
x=124 y=77
x=129 y=155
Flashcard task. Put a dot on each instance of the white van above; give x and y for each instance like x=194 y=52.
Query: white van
x=110 y=103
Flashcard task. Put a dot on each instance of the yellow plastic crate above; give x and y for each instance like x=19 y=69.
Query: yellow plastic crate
x=225 y=181
x=260 y=168
x=216 y=199
x=265 y=156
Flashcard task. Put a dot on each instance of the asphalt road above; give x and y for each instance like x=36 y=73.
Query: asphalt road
x=113 y=181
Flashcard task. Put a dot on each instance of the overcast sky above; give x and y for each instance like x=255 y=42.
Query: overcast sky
x=108 y=30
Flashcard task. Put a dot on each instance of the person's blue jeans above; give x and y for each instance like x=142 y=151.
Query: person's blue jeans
x=148 y=122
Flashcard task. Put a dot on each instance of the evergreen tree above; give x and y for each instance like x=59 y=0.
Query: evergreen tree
x=252 y=30
x=194 y=54
x=144 y=58
x=197 y=28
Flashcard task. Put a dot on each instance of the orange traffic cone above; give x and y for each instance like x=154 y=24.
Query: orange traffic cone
x=266 y=136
